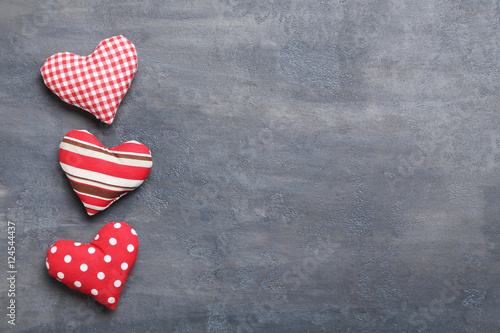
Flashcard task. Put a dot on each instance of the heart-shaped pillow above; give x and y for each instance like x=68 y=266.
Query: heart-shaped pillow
x=96 y=83
x=99 y=268
x=99 y=175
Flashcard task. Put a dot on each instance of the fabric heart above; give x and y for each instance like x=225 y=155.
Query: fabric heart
x=96 y=83
x=99 y=175
x=99 y=268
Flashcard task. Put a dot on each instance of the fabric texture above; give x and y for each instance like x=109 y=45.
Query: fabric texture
x=96 y=83
x=98 y=175
x=99 y=268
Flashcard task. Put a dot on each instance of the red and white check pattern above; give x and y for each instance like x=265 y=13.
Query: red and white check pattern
x=96 y=83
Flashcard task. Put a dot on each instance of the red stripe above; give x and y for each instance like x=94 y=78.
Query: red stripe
x=102 y=166
x=125 y=147
x=95 y=201
x=91 y=211
x=132 y=148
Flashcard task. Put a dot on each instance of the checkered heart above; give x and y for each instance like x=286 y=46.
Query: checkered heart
x=99 y=175
x=96 y=83
x=99 y=268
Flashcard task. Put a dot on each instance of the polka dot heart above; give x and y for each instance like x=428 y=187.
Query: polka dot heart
x=99 y=268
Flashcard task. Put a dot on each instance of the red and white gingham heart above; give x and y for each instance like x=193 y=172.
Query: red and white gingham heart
x=96 y=83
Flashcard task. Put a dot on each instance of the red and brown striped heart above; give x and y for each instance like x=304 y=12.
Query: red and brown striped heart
x=99 y=175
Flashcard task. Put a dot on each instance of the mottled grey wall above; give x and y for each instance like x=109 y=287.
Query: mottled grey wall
x=319 y=166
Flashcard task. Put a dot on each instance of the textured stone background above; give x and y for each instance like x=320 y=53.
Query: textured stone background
x=319 y=166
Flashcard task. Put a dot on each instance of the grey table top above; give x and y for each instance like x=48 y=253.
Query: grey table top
x=319 y=166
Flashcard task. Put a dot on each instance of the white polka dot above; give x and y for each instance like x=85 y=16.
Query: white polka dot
x=53 y=249
x=96 y=237
x=124 y=266
x=111 y=300
x=67 y=259
x=91 y=250
x=107 y=258
x=83 y=267
x=47 y=264
x=60 y=275
x=117 y=225
x=112 y=241
x=78 y=244
x=78 y=284
x=100 y=275
x=133 y=232
x=130 y=248
x=94 y=292
x=117 y=283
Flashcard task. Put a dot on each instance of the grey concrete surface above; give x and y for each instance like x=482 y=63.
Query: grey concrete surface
x=319 y=166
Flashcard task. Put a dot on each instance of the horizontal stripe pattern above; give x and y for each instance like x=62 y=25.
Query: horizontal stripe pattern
x=87 y=150
x=95 y=164
x=97 y=184
x=98 y=175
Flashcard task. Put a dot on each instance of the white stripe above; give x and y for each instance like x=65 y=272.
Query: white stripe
x=115 y=181
x=98 y=208
x=103 y=156
x=99 y=185
x=106 y=149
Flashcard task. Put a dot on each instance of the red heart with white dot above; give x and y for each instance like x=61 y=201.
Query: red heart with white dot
x=99 y=268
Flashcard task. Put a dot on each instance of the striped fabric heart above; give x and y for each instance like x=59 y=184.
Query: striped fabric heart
x=96 y=83
x=99 y=175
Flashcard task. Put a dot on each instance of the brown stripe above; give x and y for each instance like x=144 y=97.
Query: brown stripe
x=95 y=181
x=86 y=189
x=119 y=155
